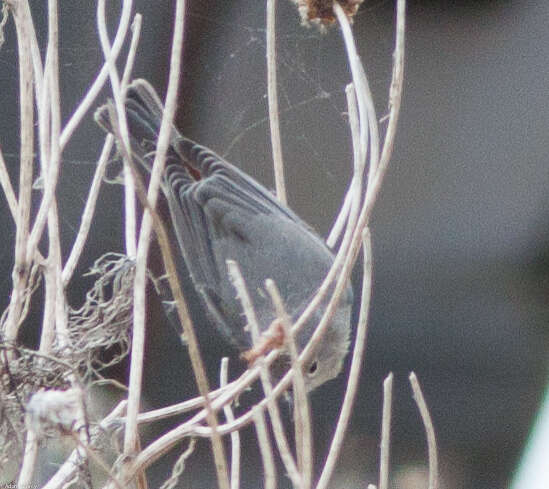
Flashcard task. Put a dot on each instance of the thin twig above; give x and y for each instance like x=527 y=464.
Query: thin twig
x=130 y=223
x=89 y=209
x=356 y=366
x=21 y=266
x=347 y=254
x=348 y=257
x=11 y=199
x=385 y=432
x=354 y=194
x=47 y=334
x=235 y=435
x=97 y=85
x=98 y=460
x=272 y=96
x=3 y=21
x=369 y=131
x=175 y=409
x=265 y=448
x=87 y=213
x=274 y=411
x=130 y=60
x=341 y=218
x=151 y=453
x=50 y=127
x=61 y=323
x=179 y=466
x=302 y=414
x=7 y=187
x=150 y=218
x=429 y=431
x=29 y=460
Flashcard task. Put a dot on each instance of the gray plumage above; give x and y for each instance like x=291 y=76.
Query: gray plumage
x=218 y=213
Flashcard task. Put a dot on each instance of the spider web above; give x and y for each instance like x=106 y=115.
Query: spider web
x=229 y=111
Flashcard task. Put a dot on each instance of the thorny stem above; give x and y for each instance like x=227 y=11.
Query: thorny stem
x=272 y=406
x=302 y=415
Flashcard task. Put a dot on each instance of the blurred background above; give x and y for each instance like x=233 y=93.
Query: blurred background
x=460 y=231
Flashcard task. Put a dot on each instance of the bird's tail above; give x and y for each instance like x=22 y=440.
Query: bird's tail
x=143 y=115
x=144 y=112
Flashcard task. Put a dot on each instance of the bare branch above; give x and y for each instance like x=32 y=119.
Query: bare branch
x=93 y=91
x=235 y=435
x=355 y=188
x=89 y=209
x=302 y=415
x=385 y=432
x=429 y=431
x=179 y=466
x=274 y=412
x=20 y=270
x=119 y=95
x=356 y=366
x=265 y=448
x=87 y=214
x=272 y=95
x=29 y=460
x=130 y=60
x=7 y=187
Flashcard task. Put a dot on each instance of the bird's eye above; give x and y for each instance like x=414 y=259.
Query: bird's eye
x=313 y=368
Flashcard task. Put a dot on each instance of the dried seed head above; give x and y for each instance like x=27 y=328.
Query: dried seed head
x=321 y=12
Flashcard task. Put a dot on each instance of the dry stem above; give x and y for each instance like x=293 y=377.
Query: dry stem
x=385 y=433
x=265 y=448
x=272 y=95
x=272 y=405
x=356 y=366
x=302 y=415
x=429 y=431
x=235 y=435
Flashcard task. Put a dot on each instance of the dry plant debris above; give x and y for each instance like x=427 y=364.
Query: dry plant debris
x=101 y=326
x=322 y=11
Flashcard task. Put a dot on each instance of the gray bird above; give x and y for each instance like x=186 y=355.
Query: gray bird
x=219 y=213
